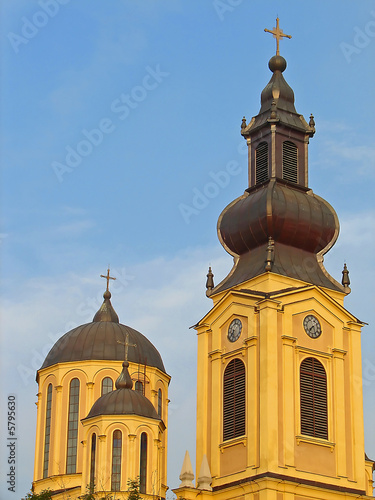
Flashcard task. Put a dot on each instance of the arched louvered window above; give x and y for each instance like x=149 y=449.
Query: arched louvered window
x=261 y=163
x=138 y=386
x=47 y=431
x=92 y=461
x=107 y=385
x=116 y=461
x=290 y=163
x=160 y=401
x=71 y=454
x=234 y=400
x=143 y=464
x=313 y=381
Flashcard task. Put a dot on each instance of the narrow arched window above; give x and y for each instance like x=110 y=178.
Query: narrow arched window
x=71 y=454
x=290 y=163
x=261 y=163
x=143 y=463
x=47 y=431
x=138 y=386
x=116 y=461
x=92 y=461
x=313 y=381
x=107 y=385
x=234 y=400
x=160 y=401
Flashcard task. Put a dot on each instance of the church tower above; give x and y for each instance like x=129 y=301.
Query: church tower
x=279 y=381
x=102 y=412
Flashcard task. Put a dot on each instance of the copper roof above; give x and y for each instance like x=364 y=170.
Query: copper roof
x=98 y=341
x=301 y=226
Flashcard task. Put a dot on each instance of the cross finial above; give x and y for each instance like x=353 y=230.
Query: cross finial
x=107 y=277
x=278 y=34
x=127 y=345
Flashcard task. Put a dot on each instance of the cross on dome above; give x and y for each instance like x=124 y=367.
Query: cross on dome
x=107 y=277
x=278 y=34
x=127 y=345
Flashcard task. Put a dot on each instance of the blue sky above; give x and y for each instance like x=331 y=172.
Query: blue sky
x=115 y=119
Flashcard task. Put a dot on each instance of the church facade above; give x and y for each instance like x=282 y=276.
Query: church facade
x=279 y=381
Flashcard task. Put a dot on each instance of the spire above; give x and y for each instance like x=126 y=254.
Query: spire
x=106 y=311
x=124 y=381
x=204 y=478
x=210 y=282
x=187 y=474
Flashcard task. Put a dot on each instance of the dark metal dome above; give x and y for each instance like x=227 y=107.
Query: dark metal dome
x=99 y=341
x=123 y=402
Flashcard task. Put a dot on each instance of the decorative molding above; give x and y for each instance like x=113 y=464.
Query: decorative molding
x=233 y=442
x=307 y=350
x=317 y=441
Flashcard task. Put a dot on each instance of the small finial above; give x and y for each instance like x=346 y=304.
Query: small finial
x=205 y=479
x=107 y=277
x=243 y=124
x=278 y=34
x=210 y=282
x=187 y=475
x=312 y=124
x=273 y=114
x=345 y=277
x=270 y=256
x=124 y=380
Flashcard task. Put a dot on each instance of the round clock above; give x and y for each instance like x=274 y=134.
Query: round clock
x=312 y=326
x=234 y=330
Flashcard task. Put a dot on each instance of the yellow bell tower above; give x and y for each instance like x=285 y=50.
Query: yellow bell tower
x=279 y=387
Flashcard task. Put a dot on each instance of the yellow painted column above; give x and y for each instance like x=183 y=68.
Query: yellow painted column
x=340 y=415
x=216 y=420
x=90 y=396
x=38 y=440
x=252 y=398
x=289 y=410
x=104 y=464
x=58 y=450
x=268 y=384
x=131 y=458
x=202 y=425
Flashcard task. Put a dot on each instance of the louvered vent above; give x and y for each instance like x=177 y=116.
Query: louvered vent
x=261 y=163
x=234 y=401
x=313 y=381
x=290 y=162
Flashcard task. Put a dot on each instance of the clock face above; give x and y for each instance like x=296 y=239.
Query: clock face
x=312 y=326
x=234 y=330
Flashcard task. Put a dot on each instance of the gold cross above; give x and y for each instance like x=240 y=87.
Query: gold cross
x=278 y=34
x=107 y=277
x=127 y=345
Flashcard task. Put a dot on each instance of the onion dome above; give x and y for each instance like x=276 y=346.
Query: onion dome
x=101 y=340
x=279 y=228
x=123 y=400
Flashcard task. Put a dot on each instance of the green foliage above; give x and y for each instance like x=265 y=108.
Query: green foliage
x=43 y=495
x=133 y=489
x=90 y=492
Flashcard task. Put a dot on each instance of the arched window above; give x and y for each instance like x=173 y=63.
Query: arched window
x=116 y=461
x=290 y=162
x=160 y=401
x=138 y=386
x=234 y=400
x=313 y=380
x=71 y=454
x=92 y=461
x=143 y=463
x=107 y=385
x=47 y=432
x=261 y=163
